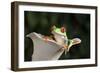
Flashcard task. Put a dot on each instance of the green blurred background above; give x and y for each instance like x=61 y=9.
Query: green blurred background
x=77 y=25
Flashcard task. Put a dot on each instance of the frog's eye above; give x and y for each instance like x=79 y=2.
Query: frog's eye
x=63 y=29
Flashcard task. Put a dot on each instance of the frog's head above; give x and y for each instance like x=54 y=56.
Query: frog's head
x=60 y=31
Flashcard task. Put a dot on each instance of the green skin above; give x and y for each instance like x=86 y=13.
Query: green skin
x=58 y=31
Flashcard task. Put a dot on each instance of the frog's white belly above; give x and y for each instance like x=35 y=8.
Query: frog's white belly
x=61 y=40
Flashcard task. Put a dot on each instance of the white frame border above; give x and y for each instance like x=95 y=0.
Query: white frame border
x=23 y=64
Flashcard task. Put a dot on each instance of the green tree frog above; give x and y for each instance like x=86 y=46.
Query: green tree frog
x=61 y=38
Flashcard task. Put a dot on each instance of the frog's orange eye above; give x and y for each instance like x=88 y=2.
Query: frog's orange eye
x=63 y=29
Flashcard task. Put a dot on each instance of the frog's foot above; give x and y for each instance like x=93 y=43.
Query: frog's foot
x=65 y=47
x=47 y=38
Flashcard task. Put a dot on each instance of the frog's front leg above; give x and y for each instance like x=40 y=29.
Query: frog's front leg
x=65 y=47
x=47 y=38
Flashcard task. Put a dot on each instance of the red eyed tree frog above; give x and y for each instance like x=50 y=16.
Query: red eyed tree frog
x=62 y=38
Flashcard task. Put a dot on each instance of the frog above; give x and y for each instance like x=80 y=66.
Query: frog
x=59 y=35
